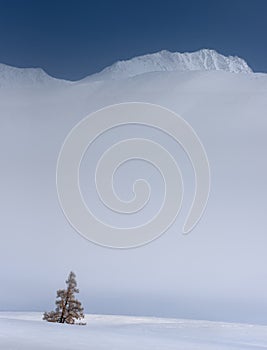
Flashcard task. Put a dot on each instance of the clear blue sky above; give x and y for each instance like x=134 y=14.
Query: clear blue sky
x=72 y=39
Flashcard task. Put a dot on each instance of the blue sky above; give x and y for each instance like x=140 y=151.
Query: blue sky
x=72 y=39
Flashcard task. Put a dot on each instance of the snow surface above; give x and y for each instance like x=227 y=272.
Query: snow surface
x=26 y=331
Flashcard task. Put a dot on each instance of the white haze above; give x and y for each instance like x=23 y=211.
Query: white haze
x=218 y=272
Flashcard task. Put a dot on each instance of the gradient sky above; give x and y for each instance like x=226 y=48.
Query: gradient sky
x=72 y=39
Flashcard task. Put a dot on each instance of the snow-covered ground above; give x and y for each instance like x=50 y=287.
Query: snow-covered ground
x=26 y=331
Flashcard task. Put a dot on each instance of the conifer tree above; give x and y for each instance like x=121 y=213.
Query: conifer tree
x=68 y=308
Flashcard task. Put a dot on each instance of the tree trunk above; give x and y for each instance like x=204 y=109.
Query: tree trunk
x=62 y=318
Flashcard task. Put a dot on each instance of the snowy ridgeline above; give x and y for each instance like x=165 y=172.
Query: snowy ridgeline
x=26 y=331
x=202 y=60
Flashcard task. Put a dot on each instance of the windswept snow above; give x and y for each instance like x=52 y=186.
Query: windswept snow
x=26 y=331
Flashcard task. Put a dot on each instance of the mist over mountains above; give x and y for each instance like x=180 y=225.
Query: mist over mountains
x=216 y=272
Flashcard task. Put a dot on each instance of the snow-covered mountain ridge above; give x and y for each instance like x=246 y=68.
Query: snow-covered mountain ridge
x=13 y=76
x=202 y=60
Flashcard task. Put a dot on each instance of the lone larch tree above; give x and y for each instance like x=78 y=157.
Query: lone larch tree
x=68 y=308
